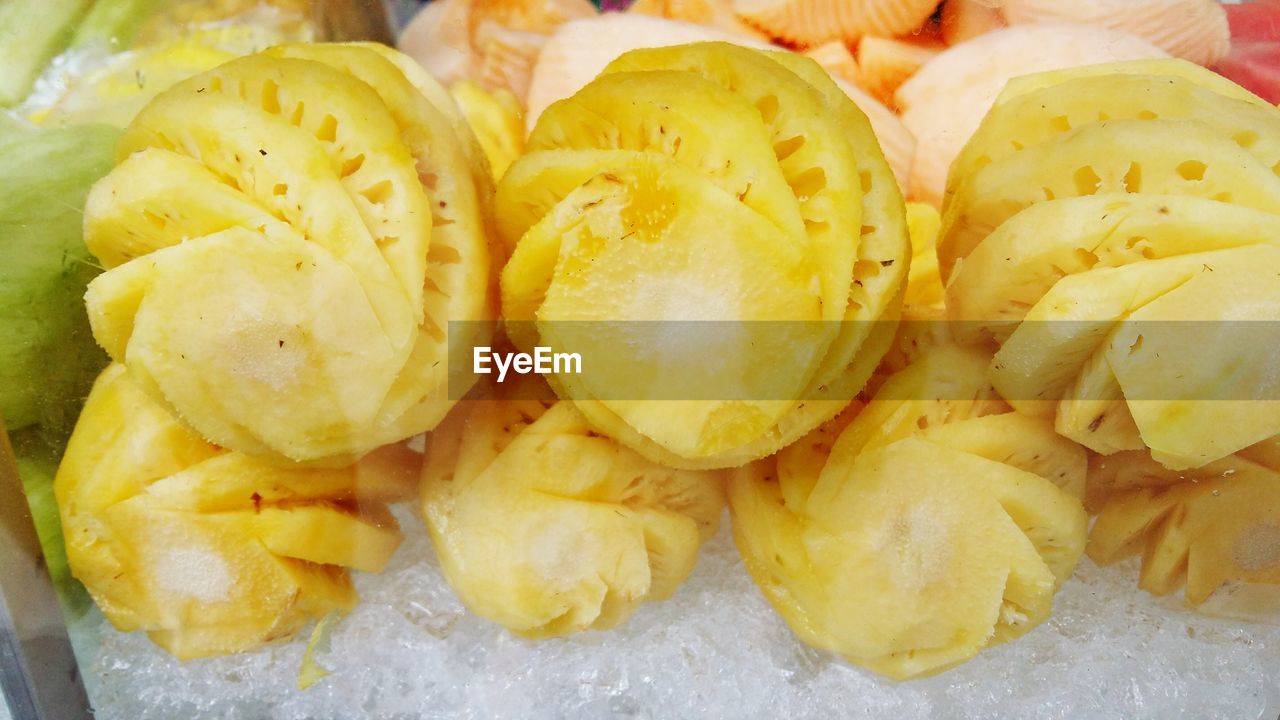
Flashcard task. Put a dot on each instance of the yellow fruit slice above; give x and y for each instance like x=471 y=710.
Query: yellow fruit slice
x=1195 y=30
x=646 y=243
x=330 y=146
x=1073 y=321
x=1035 y=116
x=1172 y=67
x=1177 y=157
x=682 y=116
x=1094 y=412
x=1008 y=272
x=210 y=551
x=498 y=122
x=1192 y=402
x=1215 y=533
x=1202 y=392
x=259 y=369
x=1020 y=441
x=861 y=571
x=548 y=528
x=206 y=118
x=946 y=385
x=128 y=214
x=810 y=147
x=924 y=283
x=458 y=262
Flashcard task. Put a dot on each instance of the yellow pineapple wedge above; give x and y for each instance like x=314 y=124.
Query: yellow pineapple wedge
x=548 y=528
x=908 y=538
x=736 y=187
x=287 y=238
x=211 y=551
x=497 y=120
x=1214 y=530
x=1125 y=287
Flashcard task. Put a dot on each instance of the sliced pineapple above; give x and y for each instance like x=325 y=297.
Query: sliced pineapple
x=548 y=528
x=925 y=556
x=1007 y=273
x=331 y=160
x=910 y=533
x=1216 y=530
x=211 y=551
x=1031 y=118
x=1174 y=156
x=782 y=160
x=647 y=242
x=810 y=146
x=497 y=120
x=1192 y=395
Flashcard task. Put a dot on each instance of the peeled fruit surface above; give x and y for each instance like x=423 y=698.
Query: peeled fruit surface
x=548 y=528
x=739 y=192
x=288 y=236
x=211 y=551
x=911 y=551
x=1121 y=255
x=1215 y=532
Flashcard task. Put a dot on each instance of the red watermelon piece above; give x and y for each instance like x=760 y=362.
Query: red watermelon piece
x=1254 y=61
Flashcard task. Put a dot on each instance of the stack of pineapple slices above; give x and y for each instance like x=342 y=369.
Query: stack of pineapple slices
x=1116 y=232
x=287 y=237
x=714 y=184
x=911 y=532
x=549 y=528
x=212 y=551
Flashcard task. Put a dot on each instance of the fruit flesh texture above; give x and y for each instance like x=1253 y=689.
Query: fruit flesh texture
x=641 y=245
x=1101 y=157
x=337 y=174
x=1189 y=408
x=549 y=528
x=1211 y=530
x=851 y=535
x=209 y=551
x=1033 y=117
x=524 y=197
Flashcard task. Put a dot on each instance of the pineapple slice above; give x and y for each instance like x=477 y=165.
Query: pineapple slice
x=910 y=533
x=1031 y=118
x=548 y=528
x=1009 y=271
x=794 y=168
x=287 y=160
x=497 y=120
x=926 y=549
x=682 y=116
x=211 y=551
x=1192 y=396
x=1174 y=156
x=810 y=146
x=1215 y=530
x=626 y=239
